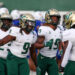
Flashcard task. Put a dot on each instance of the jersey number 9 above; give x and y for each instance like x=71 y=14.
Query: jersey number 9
x=26 y=47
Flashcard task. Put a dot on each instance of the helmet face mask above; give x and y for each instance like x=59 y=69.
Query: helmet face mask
x=49 y=17
x=54 y=20
x=6 y=21
x=70 y=20
x=68 y=25
x=31 y=23
x=27 y=22
x=29 y=28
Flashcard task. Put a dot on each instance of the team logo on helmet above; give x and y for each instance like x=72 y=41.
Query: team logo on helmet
x=69 y=20
x=27 y=19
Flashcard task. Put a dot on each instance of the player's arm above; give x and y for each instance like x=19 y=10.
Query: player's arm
x=66 y=54
x=60 y=50
x=65 y=38
x=33 y=54
x=7 y=39
x=65 y=45
x=61 y=68
x=13 y=31
x=59 y=54
x=40 y=42
x=42 y=32
x=31 y=65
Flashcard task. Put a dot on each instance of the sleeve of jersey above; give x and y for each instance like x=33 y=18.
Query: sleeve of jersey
x=13 y=31
x=41 y=31
x=66 y=35
x=66 y=55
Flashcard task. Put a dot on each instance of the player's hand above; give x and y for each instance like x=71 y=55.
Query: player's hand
x=1 y=43
x=48 y=44
x=32 y=65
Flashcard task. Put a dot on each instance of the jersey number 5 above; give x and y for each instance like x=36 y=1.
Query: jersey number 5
x=56 y=43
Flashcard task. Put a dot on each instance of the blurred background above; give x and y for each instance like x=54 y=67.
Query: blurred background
x=37 y=8
x=62 y=5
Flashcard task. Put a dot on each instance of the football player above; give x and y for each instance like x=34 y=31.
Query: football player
x=5 y=22
x=68 y=35
x=22 y=41
x=67 y=46
x=49 y=37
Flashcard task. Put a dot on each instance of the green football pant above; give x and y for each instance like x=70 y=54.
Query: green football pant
x=3 y=67
x=46 y=64
x=17 y=66
x=70 y=68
